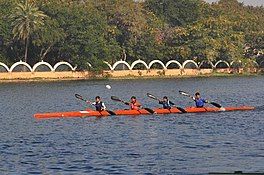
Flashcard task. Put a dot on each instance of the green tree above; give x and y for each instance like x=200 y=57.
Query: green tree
x=176 y=12
x=26 y=19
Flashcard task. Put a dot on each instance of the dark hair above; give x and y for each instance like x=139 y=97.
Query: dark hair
x=97 y=97
x=133 y=97
x=165 y=97
x=197 y=93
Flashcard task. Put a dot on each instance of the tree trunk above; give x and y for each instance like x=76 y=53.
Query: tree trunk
x=45 y=53
x=26 y=49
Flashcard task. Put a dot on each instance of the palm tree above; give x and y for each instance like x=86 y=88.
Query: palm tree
x=26 y=19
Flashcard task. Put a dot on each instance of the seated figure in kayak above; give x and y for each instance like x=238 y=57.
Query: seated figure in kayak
x=199 y=102
x=134 y=104
x=99 y=105
x=166 y=103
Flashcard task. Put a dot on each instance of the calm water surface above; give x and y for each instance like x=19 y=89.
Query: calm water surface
x=158 y=144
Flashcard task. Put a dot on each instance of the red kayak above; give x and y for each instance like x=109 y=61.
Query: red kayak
x=92 y=113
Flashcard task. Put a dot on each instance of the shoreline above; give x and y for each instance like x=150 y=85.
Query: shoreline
x=128 y=77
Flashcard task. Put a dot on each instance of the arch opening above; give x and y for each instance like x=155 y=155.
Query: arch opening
x=21 y=68
x=173 y=64
x=236 y=64
x=139 y=66
x=222 y=65
x=206 y=65
x=261 y=65
x=42 y=68
x=121 y=66
x=3 y=69
x=62 y=68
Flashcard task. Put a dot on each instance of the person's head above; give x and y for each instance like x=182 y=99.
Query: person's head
x=97 y=98
x=133 y=99
x=165 y=98
x=197 y=95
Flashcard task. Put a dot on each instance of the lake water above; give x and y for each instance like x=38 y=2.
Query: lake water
x=153 y=144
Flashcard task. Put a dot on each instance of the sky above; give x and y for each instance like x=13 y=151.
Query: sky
x=246 y=2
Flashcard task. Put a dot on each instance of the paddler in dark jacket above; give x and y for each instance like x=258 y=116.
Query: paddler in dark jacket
x=199 y=102
x=99 y=105
x=166 y=103
x=134 y=104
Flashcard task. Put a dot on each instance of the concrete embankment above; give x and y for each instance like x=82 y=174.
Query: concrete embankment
x=152 y=73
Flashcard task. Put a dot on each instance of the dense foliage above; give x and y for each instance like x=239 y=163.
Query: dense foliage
x=93 y=31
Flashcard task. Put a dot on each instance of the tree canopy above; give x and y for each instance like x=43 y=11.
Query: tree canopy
x=93 y=31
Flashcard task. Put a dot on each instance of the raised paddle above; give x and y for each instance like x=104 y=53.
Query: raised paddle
x=188 y=95
x=127 y=103
x=81 y=98
x=155 y=98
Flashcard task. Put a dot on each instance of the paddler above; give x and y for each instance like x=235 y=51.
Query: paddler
x=134 y=104
x=99 y=105
x=166 y=103
x=199 y=102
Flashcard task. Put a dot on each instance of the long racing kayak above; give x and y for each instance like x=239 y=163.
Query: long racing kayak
x=92 y=113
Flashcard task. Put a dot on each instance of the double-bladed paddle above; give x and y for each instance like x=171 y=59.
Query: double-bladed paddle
x=188 y=95
x=127 y=103
x=81 y=98
x=155 y=98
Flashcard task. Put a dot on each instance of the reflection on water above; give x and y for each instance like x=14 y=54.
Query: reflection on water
x=158 y=144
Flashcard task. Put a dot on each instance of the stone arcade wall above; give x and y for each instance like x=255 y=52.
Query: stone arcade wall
x=120 y=69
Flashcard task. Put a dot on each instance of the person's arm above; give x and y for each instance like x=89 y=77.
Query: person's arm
x=103 y=106
x=138 y=104
x=171 y=103
x=160 y=102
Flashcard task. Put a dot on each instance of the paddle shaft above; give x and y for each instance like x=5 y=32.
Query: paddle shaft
x=155 y=98
x=212 y=103
x=88 y=101
x=127 y=103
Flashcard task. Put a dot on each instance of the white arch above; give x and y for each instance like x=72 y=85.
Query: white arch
x=206 y=61
x=173 y=61
x=260 y=64
x=221 y=61
x=109 y=65
x=5 y=66
x=239 y=61
x=121 y=62
x=190 y=61
x=139 y=62
x=20 y=63
x=64 y=63
x=157 y=61
x=88 y=65
x=42 y=63
x=254 y=62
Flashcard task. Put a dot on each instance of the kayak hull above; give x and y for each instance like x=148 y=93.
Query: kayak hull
x=85 y=113
x=92 y=113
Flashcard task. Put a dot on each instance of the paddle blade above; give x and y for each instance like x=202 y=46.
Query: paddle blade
x=79 y=96
x=181 y=109
x=152 y=96
x=216 y=104
x=111 y=112
x=149 y=110
x=115 y=98
x=184 y=93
